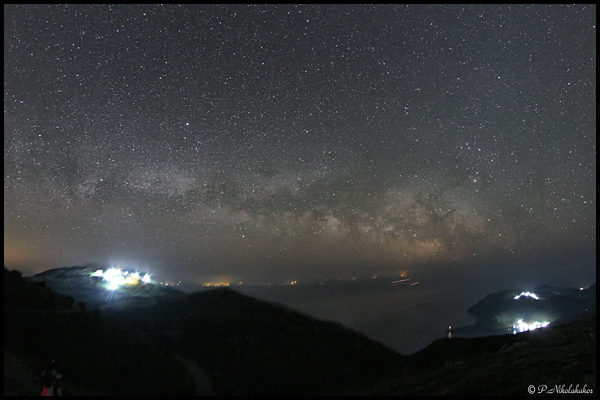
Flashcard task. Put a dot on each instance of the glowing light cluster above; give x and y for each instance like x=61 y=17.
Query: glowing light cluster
x=215 y=284
x=521 y=326
x=527 y=294
x=115 y=277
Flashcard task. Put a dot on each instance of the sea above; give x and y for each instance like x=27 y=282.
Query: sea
x=403 y=316
x=407 y=313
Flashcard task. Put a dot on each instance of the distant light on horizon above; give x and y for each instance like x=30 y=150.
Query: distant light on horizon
x=215 y=284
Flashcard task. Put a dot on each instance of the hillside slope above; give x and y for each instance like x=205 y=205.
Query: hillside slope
x=226 y=343
x=94 y=355
x=241 y=345
x=248 y=346
x=550 y=359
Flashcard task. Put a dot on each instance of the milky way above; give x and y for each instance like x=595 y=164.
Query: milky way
x=285 y=141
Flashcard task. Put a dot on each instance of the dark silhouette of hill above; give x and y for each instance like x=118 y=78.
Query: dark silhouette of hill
x=244 y=345
x=94 y=355
x=249 y=346
x=498 y=311
x=554 y=359
x=220 y=341
x=91 y=291
x=551 y=359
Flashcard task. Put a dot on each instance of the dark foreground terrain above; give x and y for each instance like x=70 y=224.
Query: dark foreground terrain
x=94 y=355
x=548 y=358
x=224 y=343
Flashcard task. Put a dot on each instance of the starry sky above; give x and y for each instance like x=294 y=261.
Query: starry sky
x=265 y=142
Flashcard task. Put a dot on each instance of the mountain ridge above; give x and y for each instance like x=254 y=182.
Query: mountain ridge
x=243 y=346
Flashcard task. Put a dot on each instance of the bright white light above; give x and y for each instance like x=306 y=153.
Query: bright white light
x=119 y=280
x=111 y=274
x=521 y=326
x=115 y=277
x=527 y=294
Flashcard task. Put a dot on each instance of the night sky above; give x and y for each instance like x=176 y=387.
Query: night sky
x=278 y=142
